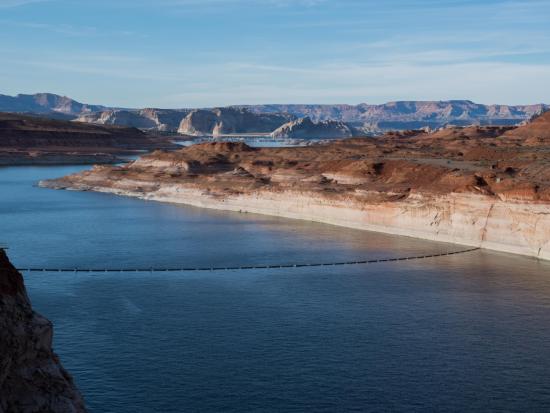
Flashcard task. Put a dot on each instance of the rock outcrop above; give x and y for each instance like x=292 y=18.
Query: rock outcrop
x=410 y=114
x=400 y=115
x=305 y=128
x=118 y=118
x=31 y=377
x=227 y=121
x=45 y=103
x=475 y=186
x=30 y=139
x=388 y=116
x=535 y=132
x=162 y=120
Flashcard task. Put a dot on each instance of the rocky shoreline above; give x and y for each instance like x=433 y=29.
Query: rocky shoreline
x=465 y=219
x=486 y=187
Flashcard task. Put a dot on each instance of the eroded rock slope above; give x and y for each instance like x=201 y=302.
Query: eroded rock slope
x=481 y=186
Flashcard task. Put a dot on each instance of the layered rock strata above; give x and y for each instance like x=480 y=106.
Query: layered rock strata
x=230 y=121
x=35 y=140
x=305 y=128
x=481 y=186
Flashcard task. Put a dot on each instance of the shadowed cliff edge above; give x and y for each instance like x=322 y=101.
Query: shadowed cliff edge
x=31 y=376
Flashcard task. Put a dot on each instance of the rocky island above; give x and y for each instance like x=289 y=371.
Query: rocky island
x=31 y=376
x=305 y=128
x=483 y=186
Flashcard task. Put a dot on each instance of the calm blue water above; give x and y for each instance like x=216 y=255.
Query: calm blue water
x=461 y=333
x=255 y=142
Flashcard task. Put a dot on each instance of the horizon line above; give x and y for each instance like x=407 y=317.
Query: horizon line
x=117 y=107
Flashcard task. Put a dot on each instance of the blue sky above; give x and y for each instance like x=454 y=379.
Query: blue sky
x=190 y=53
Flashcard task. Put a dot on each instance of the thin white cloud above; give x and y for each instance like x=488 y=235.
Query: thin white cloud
x=17 y=3
x=278 y=3
x=433 y=76
x=71 y=30
x=489 y=60
x=482 y=82
x=214 y=5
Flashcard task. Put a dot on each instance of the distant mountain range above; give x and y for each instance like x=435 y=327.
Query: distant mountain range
x=362 y=118
x=411 y=114
x=46 y=103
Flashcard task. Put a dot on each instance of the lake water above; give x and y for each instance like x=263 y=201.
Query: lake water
x=459 y=333
x=255 y=142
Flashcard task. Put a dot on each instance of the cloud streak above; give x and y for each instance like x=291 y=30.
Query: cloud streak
x=4 y=4
x=214 y=52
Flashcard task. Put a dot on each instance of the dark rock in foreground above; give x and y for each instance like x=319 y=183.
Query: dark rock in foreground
x=31 y=376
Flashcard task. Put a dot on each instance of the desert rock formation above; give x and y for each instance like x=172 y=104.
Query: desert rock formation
x=305 y=128
x=31 y=376
x=399 y=115
x=479 y=186
x=224 y=121
x=162 y=120
x=45 y=103
x=29 y=139
x=410 y=114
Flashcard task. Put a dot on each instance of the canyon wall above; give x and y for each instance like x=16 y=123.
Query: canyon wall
x=468 y=219
x=305 y=128
x=222 y=121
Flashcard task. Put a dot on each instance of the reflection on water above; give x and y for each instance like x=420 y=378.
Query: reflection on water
x=83 y=229
x=465 y=332
x=258 y=142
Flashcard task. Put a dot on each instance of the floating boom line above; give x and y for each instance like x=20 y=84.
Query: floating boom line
x=247 y=267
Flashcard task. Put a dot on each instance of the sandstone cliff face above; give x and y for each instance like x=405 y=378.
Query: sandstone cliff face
x=117 y=117
x=223 y=121
x=305 y=128
x=392 y=115
x=166 y=120
x=31 y=377
x=411 y=114
x=45 y=103
x=481 y=186
x=163 y=120
x=536 y=132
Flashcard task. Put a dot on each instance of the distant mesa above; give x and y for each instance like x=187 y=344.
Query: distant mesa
x=224 y=121
x=305 y=128
x=45 y=103
x=162 y=120
x=405 y=115
x=260 y=119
